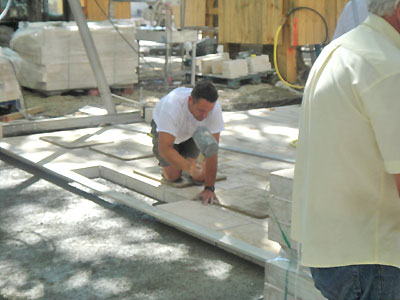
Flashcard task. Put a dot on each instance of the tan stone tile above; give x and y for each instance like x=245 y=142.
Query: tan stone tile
x=254 y=235
x=210 y=216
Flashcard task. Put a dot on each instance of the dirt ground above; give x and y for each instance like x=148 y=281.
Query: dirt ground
x=149 y=93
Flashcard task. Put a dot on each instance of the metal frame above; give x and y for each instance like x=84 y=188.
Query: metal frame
x=37 y=126
x=92 y=54
x=219 y=239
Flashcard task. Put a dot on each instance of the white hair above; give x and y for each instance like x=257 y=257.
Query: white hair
x=383 y=7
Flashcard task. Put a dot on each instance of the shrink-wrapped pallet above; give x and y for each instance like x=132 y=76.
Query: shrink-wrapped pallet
x=9 y=87
x=52 y=56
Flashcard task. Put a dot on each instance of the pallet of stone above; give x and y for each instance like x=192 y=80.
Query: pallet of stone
x=9 y=87
x=232 y=83
x=50 y=56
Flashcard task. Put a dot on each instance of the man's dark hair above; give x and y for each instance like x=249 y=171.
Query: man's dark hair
x=206 y=90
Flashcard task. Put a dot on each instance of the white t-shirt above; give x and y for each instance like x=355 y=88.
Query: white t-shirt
x=172 y=115
x=353 y=14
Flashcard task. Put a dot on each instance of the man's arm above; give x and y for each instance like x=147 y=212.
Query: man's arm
x=167 y=151
x=397 y=179
x=211 y=167
x=211 y=164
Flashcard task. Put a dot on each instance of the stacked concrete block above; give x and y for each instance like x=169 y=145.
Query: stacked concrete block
x=259 y=64
x=273 y=293
x=216 y=67
x=280 y=203
x=9 y=87
x=51 y=56
x=284 y=276
x=235 y=68
x=206 y=62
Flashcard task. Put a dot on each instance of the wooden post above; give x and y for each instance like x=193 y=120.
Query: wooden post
x=232 y=48
x=286 y=53
x=35 y=10
x=211 y=16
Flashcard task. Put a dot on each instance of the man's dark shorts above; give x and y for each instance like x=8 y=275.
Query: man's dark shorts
x=187 y=148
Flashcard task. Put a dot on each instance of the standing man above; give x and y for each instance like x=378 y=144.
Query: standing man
x=175 y=119
x=353 y=14
x=346 y=210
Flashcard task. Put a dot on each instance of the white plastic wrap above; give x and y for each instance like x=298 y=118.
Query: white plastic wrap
x=52 y=56
x=9 y=87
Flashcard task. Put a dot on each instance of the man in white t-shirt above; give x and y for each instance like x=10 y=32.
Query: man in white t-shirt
x=175 y=119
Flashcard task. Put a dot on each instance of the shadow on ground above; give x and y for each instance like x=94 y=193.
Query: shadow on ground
x=57 y=245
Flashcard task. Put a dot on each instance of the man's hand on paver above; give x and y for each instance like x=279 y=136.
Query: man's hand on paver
x=207 y=197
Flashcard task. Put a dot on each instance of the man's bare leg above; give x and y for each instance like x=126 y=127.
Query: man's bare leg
x=171 y=173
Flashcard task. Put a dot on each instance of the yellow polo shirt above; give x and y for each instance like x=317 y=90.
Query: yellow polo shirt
x=346 y=209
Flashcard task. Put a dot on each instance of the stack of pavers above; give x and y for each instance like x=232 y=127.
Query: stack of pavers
x=51 y=56
x=284 y=275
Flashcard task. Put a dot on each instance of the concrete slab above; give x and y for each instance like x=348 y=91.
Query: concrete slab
x=209 y=216
x=245 y=200
x=253 y=234
x=263 y=130
x=282 y=183
x=76 y=139
x=126 y=149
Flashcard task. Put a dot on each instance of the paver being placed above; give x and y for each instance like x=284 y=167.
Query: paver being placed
x=126 y=149
x=246 y=200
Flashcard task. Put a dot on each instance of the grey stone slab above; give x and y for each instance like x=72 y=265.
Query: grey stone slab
x=246 y=200
x=281 y=183
x=280 y=208
x=72 y=142
x=124 y=150
x=134 y=132
x=209 y=216
x=134 y=182
x=253 y=234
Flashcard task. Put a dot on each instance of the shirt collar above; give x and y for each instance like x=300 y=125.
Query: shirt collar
x=380 y=25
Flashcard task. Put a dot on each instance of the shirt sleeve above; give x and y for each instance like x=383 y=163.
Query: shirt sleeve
x=382 y=104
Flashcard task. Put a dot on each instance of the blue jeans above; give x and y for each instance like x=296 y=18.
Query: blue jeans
x=358 y=282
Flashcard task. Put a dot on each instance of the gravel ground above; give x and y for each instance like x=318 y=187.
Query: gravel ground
x=55 y=244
